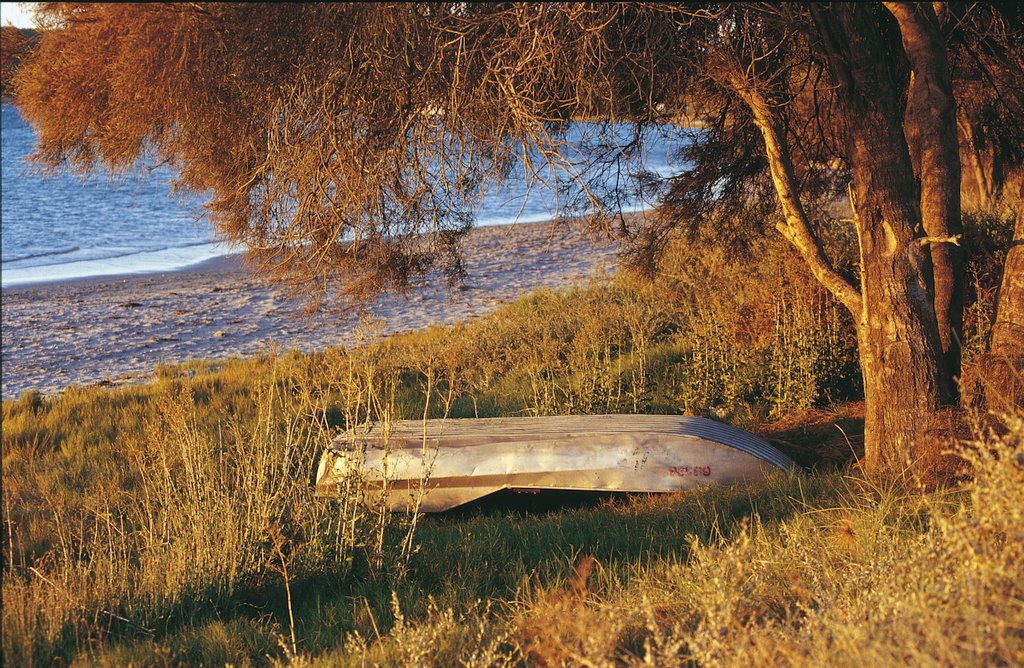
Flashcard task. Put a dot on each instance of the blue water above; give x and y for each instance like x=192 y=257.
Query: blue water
x=63 y=226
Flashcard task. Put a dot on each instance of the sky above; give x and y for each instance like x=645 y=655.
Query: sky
x=18 y=14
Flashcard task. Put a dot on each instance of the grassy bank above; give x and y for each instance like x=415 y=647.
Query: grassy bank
x=829 y=568
x=174 y=522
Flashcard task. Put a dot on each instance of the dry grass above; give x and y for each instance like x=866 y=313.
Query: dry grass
x=827 y=570
x=190 y=523
x=174 y=523
x=888 y=576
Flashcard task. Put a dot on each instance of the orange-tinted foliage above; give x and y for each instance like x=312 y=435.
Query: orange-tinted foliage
x=349 y=144
x=15 y=44
x=315 y=125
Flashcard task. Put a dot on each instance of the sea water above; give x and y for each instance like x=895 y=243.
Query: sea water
x=64 y=226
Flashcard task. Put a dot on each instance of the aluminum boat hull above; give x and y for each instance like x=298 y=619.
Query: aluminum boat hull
x=440 y=464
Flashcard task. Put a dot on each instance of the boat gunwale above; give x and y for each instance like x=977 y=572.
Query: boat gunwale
x=402 y=438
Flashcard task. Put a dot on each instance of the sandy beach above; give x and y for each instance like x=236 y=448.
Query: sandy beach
x=115 y=330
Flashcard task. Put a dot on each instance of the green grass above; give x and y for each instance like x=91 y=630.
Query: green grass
x=154 y=524
x=808 y=571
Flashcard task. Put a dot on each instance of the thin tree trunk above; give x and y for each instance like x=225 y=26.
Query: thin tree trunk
x=930 y=126
x=898 y=334
x=1008 y=330
x=986 y=196
x=797 y=227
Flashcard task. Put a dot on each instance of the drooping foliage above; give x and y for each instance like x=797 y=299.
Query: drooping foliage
x=334 y=136
x=317 y=125
x=15 y=44
x=350 y=145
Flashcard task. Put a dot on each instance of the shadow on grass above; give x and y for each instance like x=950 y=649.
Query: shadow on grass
x=491 y=553
x=820 y=439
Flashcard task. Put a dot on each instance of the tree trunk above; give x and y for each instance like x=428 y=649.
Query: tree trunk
x=1004 y=366
x=1008 y=330
x=900 y=351
x=931 y=131
x=982 y=180
x=797 y=226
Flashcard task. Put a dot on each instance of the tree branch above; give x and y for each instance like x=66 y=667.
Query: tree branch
x=796 y=228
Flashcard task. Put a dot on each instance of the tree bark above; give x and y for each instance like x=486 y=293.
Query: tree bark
x=1004 y=375
x=900 y=350
x=797 y=228
x=1008 y=330
x=931 y=131
x=982 y=180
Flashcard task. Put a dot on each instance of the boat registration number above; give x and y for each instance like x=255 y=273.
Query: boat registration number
x=685 y=471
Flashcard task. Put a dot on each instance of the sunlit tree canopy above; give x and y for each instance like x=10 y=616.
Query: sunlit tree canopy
x=350 y=145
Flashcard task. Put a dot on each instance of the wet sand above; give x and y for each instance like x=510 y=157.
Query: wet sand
x=115 y=330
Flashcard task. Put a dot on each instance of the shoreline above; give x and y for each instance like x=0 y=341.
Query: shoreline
x=114 y=330
x=235 y=258
x=227 y=262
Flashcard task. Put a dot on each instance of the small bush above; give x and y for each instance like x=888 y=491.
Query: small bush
x=756 y=331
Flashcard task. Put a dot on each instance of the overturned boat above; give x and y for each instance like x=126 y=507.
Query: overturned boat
x=435 y=465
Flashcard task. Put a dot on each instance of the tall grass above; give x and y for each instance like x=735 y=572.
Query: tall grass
x=703 y=336
x=839 y=570
x=174 y=522
x=132 y=535
x=756 y=332
x=190 y=523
